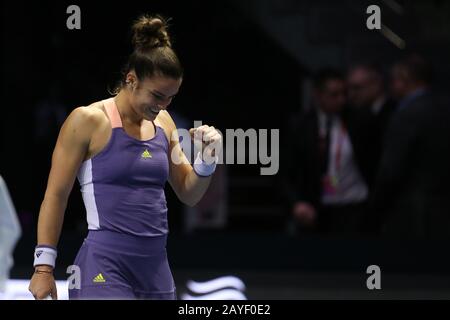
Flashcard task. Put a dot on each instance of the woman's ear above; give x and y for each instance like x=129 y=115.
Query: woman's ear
x=131 y=80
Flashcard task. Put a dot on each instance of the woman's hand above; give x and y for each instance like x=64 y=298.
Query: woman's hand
x=43 y=283
x=207 y=140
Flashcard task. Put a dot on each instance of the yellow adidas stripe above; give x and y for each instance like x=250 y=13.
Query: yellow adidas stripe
x=99 y=278
x=146 y=154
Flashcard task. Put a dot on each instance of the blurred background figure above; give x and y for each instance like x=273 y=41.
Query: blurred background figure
x=325 y=183
x=373 y=106
x=10 y=232
x=412 y=189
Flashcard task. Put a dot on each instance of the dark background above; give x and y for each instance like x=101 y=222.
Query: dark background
x=245 y=66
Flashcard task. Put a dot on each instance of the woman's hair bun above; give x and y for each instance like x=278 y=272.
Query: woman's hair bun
x=150 y=32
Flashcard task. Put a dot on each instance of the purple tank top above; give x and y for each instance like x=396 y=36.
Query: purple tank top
x=123 y=185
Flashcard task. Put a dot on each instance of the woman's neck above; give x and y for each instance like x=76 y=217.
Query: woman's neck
x=127 y=114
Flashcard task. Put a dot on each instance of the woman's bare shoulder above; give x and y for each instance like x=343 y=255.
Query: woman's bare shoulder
x=92 y=114
x=86 y=118
x=165 y=121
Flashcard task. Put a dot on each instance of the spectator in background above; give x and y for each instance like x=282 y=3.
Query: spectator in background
x=323 y=180
x=373 y=107
x=412 y=191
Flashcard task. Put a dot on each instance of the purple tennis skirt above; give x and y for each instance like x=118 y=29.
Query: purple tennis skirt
x=121 y=266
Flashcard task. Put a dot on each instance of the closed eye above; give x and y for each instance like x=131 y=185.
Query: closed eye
x=157 y=96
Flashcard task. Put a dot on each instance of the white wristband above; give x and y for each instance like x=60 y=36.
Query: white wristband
x=203 y=169
x=44 y=255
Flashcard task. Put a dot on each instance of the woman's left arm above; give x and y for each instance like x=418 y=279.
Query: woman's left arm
x=188 y=183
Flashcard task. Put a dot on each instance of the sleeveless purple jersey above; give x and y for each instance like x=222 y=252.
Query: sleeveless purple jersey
x=123 y=185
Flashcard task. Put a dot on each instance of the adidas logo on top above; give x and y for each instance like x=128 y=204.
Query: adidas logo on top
x=146 y=154
x=38 y=253
x=99 y=278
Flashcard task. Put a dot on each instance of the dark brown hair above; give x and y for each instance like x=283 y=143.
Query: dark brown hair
x=321 y=78
x=417 y=68
x=153 y=54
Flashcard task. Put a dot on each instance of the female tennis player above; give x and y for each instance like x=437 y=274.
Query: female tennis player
x=123 y=150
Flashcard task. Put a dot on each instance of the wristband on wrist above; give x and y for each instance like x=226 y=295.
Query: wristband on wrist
x=203 y=169
x=44 y=255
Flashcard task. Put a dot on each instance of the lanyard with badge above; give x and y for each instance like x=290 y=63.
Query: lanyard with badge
x=330 y=180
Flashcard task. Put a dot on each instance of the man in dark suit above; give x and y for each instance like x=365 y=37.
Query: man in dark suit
x=373 y=107
x=324 y=183
x=412 y=192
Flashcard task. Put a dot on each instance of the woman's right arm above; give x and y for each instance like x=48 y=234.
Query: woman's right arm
x=70 y=150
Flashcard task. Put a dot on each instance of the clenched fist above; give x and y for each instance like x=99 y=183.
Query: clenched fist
x=208 y=141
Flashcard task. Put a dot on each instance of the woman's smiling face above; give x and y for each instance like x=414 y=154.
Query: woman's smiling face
x=152 y=95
